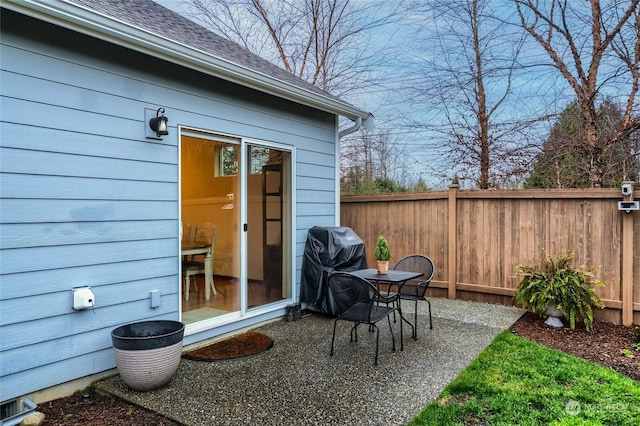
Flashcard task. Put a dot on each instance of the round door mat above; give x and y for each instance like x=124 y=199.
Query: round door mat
x=240 y=346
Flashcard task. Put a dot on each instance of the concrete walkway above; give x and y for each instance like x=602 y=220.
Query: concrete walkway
x=297 y=383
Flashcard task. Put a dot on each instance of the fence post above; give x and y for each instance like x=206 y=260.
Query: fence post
x=627 y=269
x=453 y=240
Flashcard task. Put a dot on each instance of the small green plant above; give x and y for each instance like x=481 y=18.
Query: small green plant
x=556 y=281
x=627 y=353
x=382 y=251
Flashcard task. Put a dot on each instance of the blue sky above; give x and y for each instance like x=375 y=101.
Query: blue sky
x=535 y=91
x=386 y=103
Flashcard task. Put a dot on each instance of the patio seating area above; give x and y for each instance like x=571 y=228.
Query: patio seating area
x=297 y=383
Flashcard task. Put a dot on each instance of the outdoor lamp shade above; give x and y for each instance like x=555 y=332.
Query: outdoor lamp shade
x=159 y=123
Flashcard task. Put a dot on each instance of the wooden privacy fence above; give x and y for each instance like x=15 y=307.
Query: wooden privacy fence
x=475 y=238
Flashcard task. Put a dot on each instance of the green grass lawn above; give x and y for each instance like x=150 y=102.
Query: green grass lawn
x=518 y=382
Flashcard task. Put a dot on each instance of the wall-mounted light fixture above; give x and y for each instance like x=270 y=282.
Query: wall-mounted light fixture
x=159 y=123
x=156 y=125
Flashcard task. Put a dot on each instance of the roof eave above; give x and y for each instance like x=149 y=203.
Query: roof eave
x=86 y=21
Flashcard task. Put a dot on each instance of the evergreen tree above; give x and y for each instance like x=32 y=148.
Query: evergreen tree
x=565 y=159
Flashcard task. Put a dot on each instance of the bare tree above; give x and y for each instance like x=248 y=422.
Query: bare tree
x=465 y=75
x=325 y=42
x=368 y=159
x=341 y=46
x=596 y=50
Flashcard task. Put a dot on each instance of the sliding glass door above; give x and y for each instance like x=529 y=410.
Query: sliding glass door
x=242 y=191
x=210 y=185
x=268 y=225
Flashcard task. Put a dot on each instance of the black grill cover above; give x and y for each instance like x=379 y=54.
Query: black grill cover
x=328 y=249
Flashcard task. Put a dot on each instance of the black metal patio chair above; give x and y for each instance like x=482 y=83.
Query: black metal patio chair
x=416 y=289
x=355 y=301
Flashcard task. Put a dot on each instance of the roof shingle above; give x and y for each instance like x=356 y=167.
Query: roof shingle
x=158 y=20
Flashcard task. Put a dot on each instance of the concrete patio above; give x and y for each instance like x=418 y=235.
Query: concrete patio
x=297 y=383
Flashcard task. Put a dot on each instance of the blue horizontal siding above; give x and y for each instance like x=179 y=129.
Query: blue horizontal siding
x=88 y=201
x=44 y=258
x=305 y=222
x=28 y=333
x=20 y=161
x=315 y=209
x=66 y=348
x=46 y=375
x=22 y=211
x=314 y=197
x=28 y=137
x=73 y=188
x=32 y=283
x=315 y=183
x=54 y=117
x=316 y=171
x=53 y=374
x=80 y=232
x=53 y=304
x=232 y=112
x=306 y=156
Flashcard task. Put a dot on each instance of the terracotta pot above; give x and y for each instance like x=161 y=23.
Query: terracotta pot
x=383 y=267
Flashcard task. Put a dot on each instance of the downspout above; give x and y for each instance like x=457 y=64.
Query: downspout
x=341 y=134
x=351 y=129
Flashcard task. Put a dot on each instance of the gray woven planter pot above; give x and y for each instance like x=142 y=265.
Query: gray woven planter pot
x=148 y=353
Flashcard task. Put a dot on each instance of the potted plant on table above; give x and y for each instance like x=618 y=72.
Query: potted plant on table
x=382 y=254
x=556 y=288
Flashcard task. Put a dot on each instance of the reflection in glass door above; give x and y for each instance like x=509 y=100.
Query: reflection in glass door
x=212 y=227
x=268 y=225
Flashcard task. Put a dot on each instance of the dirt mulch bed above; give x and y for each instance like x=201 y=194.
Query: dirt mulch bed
x=605 y=345
x=99 y=410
